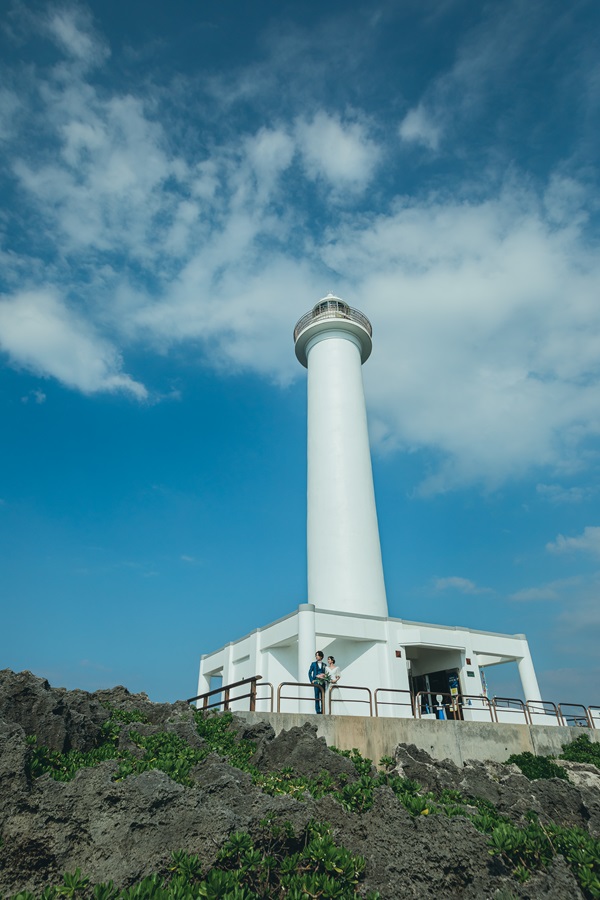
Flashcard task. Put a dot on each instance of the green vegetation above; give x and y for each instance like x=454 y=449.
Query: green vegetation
x=275 y=864
x=582 y=750
x=535 y=767
x=63 y=766
x=534 y=845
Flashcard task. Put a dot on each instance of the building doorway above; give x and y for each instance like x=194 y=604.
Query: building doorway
x=428 y=686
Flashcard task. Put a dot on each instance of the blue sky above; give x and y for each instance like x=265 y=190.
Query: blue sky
x=179 y=184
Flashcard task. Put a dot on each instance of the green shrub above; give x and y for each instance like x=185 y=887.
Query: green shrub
x=535 y=767
x=64 y=766
x=582 y=750
x=276 y=864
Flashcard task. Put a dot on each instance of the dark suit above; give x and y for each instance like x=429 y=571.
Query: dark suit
x=316 y=669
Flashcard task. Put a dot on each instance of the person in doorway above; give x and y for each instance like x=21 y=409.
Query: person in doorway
x=316 y=676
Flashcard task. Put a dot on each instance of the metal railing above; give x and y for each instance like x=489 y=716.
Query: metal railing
x=580 y=718
x=423 y=703
x=226 y=690
x=594 y=715
x=427 y=703
x=465 y=703
x=351 y=687
x=409 y=703
x=309 y=684
x=510 y=704
x=333 y=312
x=270 y=696
x=543 y=708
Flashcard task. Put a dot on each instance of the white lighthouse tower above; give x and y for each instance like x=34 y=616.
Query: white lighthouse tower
x=385 y=661
x=345 y=571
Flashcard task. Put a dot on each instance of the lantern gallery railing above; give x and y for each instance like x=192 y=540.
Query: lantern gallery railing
x=424 y=704
x=332 y=310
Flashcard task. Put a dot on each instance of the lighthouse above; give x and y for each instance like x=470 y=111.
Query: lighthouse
x=345 y=571
x=387 y=663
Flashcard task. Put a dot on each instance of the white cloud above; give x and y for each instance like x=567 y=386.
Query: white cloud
x=556 y=493
x=38 y=397
x=486 y=331
x=418 y=127
x=588 y=542
x=270 y=152
x=190 y=560
x=483 y=302
x=561 y=589
x=576 y=684
x=583 y=618
x=97 y=194
x=463 y=585
x=484 y=65
x=340 y=151
x=71 y=28
x=40 y=334
x=534 y=594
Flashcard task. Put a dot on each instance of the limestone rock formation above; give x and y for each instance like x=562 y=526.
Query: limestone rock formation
x=122 y=830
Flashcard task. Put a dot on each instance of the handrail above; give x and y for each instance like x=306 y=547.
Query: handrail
x=267 y=684
x=565 y=713
x=352 y=687
x=300 y=684
x=379 y=703
x=544 y=711
x=508 y=700
x=591 y=715
x=573 y=718
x=332 y=312
x=452 y=704
x=226 y=690
x=460 y=698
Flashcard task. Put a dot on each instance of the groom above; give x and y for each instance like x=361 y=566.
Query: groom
x=317 y=668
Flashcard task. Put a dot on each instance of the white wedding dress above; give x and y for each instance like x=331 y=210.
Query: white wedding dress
x=338 y=704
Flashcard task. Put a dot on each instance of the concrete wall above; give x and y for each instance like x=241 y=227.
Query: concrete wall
x=458 y=741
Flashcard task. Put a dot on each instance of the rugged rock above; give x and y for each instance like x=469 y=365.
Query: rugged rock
x=123 y=830
x=301 y=750
x=513 y=794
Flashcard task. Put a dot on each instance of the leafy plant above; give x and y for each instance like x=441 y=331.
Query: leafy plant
x=73 y=883
x=165 y=751
x=64 y=766
x=277 y=863
x=582 y=750
x=534 y=767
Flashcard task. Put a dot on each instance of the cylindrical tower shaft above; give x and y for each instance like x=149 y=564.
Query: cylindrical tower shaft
x=345 y=571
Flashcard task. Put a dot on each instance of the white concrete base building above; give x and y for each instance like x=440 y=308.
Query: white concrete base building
x=373 y=652
x=347 y=613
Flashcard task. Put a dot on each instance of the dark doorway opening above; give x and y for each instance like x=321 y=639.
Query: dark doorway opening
x=445 y=682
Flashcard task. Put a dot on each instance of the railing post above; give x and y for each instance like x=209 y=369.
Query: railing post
x=253 y=695
x=226 y=701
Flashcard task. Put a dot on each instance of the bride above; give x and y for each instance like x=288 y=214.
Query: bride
x=333 y=674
